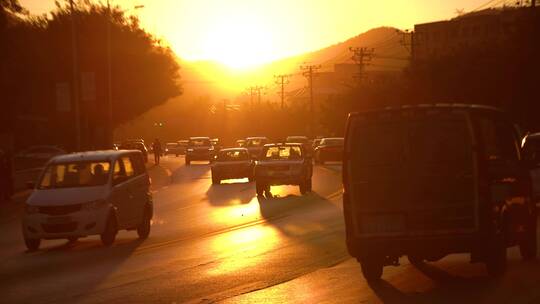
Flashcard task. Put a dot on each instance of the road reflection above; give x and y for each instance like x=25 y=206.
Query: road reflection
x=247 y=244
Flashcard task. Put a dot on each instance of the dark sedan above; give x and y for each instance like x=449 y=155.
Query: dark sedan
x=232 y=163
x=330 y=149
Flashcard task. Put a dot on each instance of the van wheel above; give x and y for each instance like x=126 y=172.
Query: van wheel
x=496 y=259
x=528 y=246
x=143 y=230
x=215 y=180
x=32 y=244
x=109 y=234
x=372 y=268
x=188 y=162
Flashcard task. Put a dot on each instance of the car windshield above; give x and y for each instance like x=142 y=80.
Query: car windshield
x=256 y=142
x=283 y=153
x=75 y=174
x=233 y=155
x=332 y=142
x=199 y=142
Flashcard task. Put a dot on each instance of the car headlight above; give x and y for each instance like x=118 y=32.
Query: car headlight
x=31 y=209
x=93 y=205
x=190 y=150
x=211 y=149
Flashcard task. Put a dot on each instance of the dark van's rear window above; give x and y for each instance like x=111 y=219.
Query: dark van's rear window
x=377 y=144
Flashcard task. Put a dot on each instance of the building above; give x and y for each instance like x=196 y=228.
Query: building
x=478 y=31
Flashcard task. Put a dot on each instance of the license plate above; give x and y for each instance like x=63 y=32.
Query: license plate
x=58 y=219
x=382 y=223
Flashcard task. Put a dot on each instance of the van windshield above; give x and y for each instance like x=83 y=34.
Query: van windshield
x=75 y=174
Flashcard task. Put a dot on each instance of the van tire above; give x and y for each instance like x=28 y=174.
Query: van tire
x=216 y=180
x=528 y=246
x=306 y=186
x=143 y=230
x=188 y=162
x=32 y=244
x=109 y=234
x=496 y=259
x=372 y=268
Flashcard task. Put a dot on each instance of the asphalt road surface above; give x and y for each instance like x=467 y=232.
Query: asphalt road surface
x=221 y=244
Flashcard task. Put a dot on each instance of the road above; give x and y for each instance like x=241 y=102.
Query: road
x=221 y=244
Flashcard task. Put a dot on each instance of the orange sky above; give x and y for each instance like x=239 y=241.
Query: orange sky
x=244 y=33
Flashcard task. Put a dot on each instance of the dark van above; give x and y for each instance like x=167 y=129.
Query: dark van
x=431 y=180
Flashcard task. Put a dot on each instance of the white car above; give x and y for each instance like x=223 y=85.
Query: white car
x=89 y=193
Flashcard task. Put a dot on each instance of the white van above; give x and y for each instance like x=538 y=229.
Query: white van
x=89 y=193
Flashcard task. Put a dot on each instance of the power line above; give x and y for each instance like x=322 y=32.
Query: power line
x=282 y=80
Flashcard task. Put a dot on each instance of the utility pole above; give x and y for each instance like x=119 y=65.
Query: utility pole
x=309 y=70
x=282 y=80
x=361 y=56
x=75 y=76
x=252 y=91
x=408 y=44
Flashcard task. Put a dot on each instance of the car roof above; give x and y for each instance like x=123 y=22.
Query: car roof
x=257 y=137
x=297 y=136
x=233 y=149
x=199 y=137
x=283 y=144
x=91 y=156
x=332 y=138
x=435 y=106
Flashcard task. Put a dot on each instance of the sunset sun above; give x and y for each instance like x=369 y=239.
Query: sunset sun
x=239 y=42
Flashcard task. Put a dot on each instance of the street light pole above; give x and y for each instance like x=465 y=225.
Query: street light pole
x=110 y=125
x=109 y=129
x=75 y=76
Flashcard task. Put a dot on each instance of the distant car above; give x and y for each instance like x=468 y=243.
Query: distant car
x=241 y=143
x=316 y=143
x=89 y=193
x=182 y=145
x=232 y=163
x=40 y=152
x=330 y=149
x=283 y=164
x=215 y=143
x=173 y=149
x=199 y=148
x=304 y=140
x=255 y=145
x=136 y=145
x=531 y=154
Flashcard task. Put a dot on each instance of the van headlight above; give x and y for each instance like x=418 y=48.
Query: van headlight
x=93 y=205
x=29 y=209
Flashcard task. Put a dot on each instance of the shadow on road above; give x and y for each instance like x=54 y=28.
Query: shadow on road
x=449 y=288
x=230 y=194
x=82 y=266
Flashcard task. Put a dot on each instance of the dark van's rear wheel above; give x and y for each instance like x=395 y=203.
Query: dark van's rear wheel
x=496 y=259
x=109 y=235
x=372 y=268
x=260 y=187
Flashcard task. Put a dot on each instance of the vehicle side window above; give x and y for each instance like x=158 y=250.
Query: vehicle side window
x=119 y=175
x=128 y=166
x=499 y=140
x=138 y=164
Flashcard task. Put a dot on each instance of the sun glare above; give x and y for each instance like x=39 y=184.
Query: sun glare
x=240 y=42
